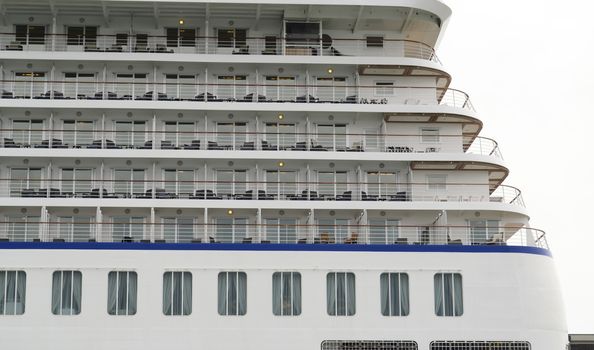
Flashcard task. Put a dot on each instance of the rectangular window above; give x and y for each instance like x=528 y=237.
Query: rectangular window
x=78 y=132
x=448 y=294
x=76 y=228
x=13 y=289
x=436 y=182
x=232 y=293
x=122 y=293
x=23 y=228
x=128 y=182
x=121 y=39
x=178 y=134
x=179 y=182
x=236 y=38
x=26 y=182
x=66 y=292
x=178 y=230
x=331 y=137
x=394 y=294
x=177 y=293
x=286 y=293
x=383 y=231
x=332 y=183
x=82 y=35
x=231 y=182
x=281 y=230
x=482 y=231
x=430 y=135
x=281 y=184
x=303 y=33
x=76 y=181
x=340 y=298
x=29 y=34
x=125 y=228
x=374 y=41
x=280 y=136
x=130 y=133
x=181 y=37
x=329 y=89
x=27 y=131
x=333 y=230
x=231 y=230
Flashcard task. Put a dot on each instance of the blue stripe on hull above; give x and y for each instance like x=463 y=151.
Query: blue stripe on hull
x=276 y=247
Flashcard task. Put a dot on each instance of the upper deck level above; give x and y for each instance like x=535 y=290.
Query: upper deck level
x=408 y=29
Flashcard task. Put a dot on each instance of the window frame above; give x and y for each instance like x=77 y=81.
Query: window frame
x=294 y=298
x=386 y=281
x=182 y=280
x=129 y=310
x=19 y=298
x=226 y=285
x=441 y=303
x=374 y=41
x=350 y=309
x=75 y=275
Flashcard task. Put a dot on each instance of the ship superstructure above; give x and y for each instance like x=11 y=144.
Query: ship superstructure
x=255 y=175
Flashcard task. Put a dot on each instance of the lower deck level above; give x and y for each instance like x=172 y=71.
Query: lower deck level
x=233 y=296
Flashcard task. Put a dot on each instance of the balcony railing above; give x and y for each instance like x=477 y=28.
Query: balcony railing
x=233 y=92
x=162 y=232
x=247 y=141
x=211 y=45
x=261 y=190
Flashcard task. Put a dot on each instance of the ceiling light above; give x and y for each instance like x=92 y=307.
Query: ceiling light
x=229 y=211
x=330 y=70
x=281 y=116
x=181 y=21
x=281 y=164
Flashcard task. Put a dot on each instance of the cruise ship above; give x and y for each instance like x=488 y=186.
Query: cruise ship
x=255 y=174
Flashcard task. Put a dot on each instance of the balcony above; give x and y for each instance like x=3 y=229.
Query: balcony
x=269 y=45
x=312 y=94
x=167 y=231
x=341 y=191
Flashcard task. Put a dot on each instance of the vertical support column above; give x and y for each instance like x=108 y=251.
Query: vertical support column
x=50 y=132
x=308 y=92
x=307 y=133
x=312 y=226
x=257 y=89
x=206 y=84
x=152 y=225
x=365 y=231
x=284 y=37
x=54 y=32
x=103 y=131
x=358 y=85
x=259 y=230
x=206 y=35
x=154 y=133
x=308 y=184
x=360 y=183
x=154 y=178
x=155 y=90
x=257 y=138
x=206 y=182
x=99 y=237
x=102 y=179
x=104 y=81
x=257 y=186
x=205 y=224
x=50 y=180
x=52 y=79
x=44 y=228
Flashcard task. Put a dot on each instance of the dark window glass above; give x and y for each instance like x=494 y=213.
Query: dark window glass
x=141 y=40
x=375 y=41
x=171 y=37
x=187 y=37
x=236 y=38
x=121 y=39
x=82 y=36
x=21 y=34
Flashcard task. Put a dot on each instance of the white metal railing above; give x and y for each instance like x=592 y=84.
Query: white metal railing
x=144 y=90
x=91 y=138
x=186 y=232
x=261 y=190
x=211 y=45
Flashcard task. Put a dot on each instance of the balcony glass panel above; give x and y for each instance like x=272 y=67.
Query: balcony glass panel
x=281 y=230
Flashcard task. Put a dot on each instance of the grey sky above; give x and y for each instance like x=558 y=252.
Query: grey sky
x=527 y=66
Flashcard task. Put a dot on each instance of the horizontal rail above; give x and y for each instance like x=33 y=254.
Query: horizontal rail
x=130 y=43
x=247 y=141
x=143 y=90
x=170 y=230
x=390 y=190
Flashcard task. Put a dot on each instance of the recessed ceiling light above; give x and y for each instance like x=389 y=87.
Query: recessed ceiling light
x=229 y=211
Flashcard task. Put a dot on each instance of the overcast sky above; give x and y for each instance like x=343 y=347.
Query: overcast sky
x=528 y=66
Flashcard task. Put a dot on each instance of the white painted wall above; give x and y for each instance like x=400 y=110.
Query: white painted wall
x=507 y=296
